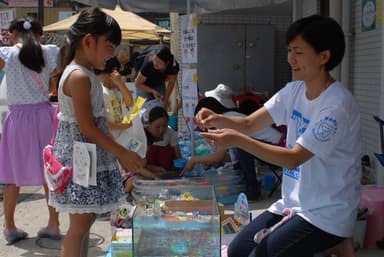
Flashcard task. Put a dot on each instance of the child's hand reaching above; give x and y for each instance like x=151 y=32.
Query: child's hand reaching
x=130 y=161
x=124 y=125
x=188 y=166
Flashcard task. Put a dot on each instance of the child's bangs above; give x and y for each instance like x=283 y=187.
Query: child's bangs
x=113 y=31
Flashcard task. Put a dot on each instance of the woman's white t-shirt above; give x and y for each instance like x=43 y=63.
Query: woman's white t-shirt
x=325 y=190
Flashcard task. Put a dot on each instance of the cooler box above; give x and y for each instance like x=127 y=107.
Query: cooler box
x=372 y=197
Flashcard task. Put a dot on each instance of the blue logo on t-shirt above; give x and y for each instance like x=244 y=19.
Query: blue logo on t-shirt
x=325 y=129
x=301 y=122
x=295 y=174
x=301 y=125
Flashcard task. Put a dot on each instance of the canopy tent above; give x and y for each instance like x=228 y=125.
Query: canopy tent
x=133 y=27
x=180 y=6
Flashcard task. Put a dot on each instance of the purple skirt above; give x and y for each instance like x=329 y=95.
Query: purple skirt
x=27 y=130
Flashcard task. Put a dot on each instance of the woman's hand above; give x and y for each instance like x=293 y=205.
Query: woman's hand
x=206 y=119
x=157 y=95
x=222 y=138
x=130 y=161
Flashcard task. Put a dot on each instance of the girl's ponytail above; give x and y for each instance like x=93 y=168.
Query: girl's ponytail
x=31 y=53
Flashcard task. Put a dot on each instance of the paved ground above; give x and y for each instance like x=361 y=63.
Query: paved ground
x=31 y=216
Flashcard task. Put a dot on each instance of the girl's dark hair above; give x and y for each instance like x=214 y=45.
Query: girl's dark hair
x=91 y=21
x=212 y=104
x=322 y=33
x=31 y=53
x=157 y=112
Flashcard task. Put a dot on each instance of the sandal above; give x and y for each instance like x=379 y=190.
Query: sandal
x=14 y=235
x=49 y=233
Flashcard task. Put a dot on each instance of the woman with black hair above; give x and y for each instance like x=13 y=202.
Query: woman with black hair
x=321 y=159
x=151 y=79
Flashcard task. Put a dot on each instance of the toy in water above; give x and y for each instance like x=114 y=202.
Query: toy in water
x=187 y=196
x=240 y=209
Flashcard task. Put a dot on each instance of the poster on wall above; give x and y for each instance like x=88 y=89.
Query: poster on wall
x=6 y=16
x=188 y=36
x=368 y=15
x=189 y=92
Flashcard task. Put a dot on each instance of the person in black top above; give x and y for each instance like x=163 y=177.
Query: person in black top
x=150 y=81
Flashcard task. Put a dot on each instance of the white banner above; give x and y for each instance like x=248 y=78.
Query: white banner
x=188 y=33
x=189 y=92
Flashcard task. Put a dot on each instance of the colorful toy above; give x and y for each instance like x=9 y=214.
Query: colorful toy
x=241 y=210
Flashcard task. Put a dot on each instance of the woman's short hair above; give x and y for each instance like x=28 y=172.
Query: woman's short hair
x=322 y=33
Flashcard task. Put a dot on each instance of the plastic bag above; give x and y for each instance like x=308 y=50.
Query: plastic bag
x=134 y=138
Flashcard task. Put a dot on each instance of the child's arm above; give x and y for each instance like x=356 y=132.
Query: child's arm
x=78 y=87
x=177 y=151
x=127 y=96
x=155 y=168
x=207 y=160
x=170 y=87
x=2 y=64
x=147 y=173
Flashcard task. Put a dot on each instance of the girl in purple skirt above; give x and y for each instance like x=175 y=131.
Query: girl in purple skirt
x=28 y=126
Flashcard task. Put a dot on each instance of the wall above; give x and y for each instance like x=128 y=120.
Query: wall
x=366 y=78
x=310 y=7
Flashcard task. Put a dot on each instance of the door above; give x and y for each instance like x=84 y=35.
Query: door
x=220 y=56
x=240 y=56
x=259 y=58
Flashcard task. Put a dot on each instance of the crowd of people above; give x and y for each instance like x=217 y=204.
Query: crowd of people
x=320 y=191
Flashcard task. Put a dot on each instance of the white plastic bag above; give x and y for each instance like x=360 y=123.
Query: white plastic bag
x=134 y=138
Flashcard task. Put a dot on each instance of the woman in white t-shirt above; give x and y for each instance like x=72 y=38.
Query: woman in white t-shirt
x=321 y=160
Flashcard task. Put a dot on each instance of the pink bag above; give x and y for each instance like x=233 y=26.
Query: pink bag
x=56 y=175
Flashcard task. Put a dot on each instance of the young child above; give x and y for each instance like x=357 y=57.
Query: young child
x=117 y=97
x=92 y=40
x=28 y=125
x=163 y=145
